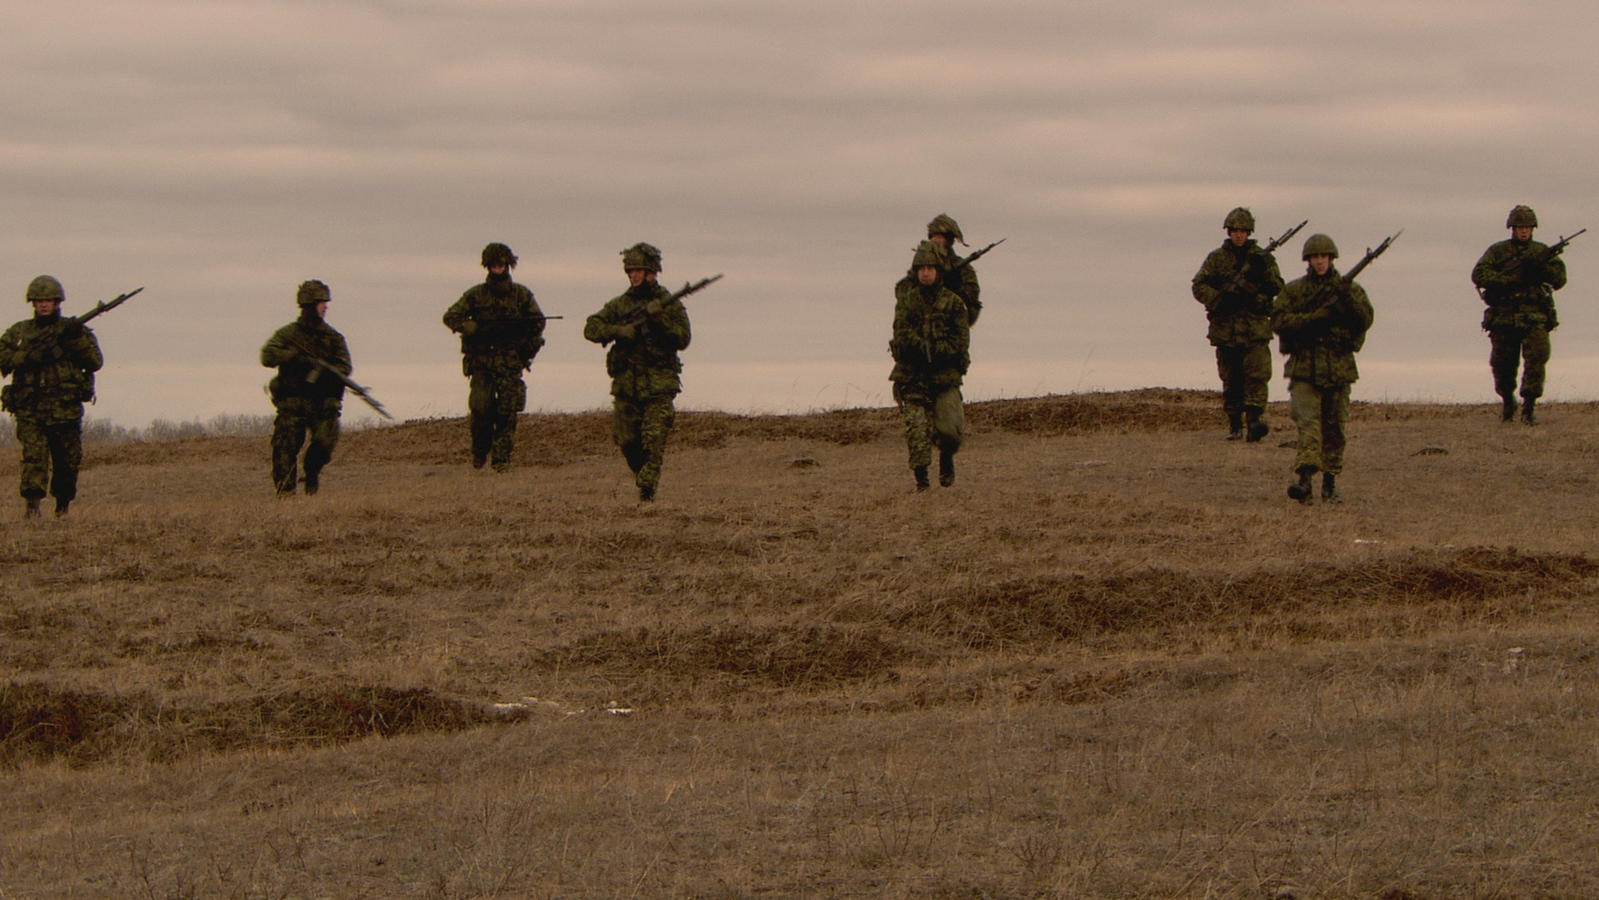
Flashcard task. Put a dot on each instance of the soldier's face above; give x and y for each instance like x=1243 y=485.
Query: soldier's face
x=1238 y=236
x=636 y=277
x=1320 y=263
x=942 y=240
x=322 y=309
x=927 y=275
x=1522 y=233
x=46 y=307
x=499 y=269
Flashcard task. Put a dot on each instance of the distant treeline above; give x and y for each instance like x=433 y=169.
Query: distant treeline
x=103 y=432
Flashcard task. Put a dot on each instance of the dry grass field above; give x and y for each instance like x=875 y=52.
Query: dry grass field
x=1114 y=660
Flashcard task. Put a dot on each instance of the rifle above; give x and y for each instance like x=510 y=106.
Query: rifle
x=105 y=306
x=1348 y=278
x=355 y=389
x=42 y=352
x=1236 y=283
x=976 y=255
x=1553 y=251
x=687 y=289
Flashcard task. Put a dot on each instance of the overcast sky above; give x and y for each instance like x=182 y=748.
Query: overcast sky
x=219 y=153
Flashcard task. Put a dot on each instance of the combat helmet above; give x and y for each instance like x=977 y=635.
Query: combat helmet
x=943 y=224
x=45 y=287
x=927 y=254
x=1319 y=243
x=312 y=292
x=642 y=256
x=1521 y=217
x=498 y=254
x=1239 y=218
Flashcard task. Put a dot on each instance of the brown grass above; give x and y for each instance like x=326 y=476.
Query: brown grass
x=1113 y=660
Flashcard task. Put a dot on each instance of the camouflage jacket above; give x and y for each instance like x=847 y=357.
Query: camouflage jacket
x=644 y=364
x=51 y=361
x=501 y=327
x=962 y=281
x=1239 y=317
x=1518 y=288
x=1320 y=325
x=301 y=383
x=931 y=342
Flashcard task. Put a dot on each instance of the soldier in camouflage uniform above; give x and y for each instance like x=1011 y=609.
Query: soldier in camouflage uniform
x=501 y=329
x=943 y=231
x=1237 y=284
x=1321 y=323
x=930 y=346
x=308 y=398
x=645 y=333
x=51 y=361
x=1518 y=282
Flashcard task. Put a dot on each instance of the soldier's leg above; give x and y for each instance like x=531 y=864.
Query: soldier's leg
x=324 y=437
x=1334 y=421
x=655 y=425
x=480 y=416
x=288 y=435
x=510 y=396
x=626 y=419
x=1257 y=387
x=35 y=459
x=949 y=430
x=1232 y=399
x=1504 y=358
x=66 y=456
x=914 y=409
x=1304 y=401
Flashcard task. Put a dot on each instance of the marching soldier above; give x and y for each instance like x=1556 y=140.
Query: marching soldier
x=308 y=398
x=645 y=331
x=51 y=361
x=1237 y=284
x=1517 y=278
x=501 y=329
x=930 y=345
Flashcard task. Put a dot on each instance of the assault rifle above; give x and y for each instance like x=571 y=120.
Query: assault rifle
x=1348 y=278
x=1236 y=283
x=1541 y=259
x=326 y=366
x=105 y=306
x=976 y=255
x=687 y=289
x=41 y=353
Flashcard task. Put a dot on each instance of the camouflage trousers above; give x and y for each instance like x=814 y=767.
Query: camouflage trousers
x=493 y=401
x=1321 y=414
x=51 y=455
x=1245 y=376
x=932 y=416
x=1512 y=346
x=640 y=425
x=289 y=431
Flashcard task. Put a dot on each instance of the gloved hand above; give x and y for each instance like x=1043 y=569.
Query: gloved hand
x=653 y=308
x=625 y=332
x=469 y=328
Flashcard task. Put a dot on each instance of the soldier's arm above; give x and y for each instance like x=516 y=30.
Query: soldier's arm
x=1486 y=273
x=970 y=292
x=85 y=351
x=277 y=350
x=1290 y=322
x=11 y=353
x=1204 y=288
x=672 y=323
x=340 y=357
x=458 y=318
x=601 y=327
x=1554 y=272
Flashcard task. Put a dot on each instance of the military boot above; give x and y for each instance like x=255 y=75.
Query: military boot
x=646 y=493
x=946 y=468
x=922 y=483
x=31 y=511
x=1329 y=489
x=1235 y=426
x=1257 y=428
x=313 y=482
x=1507 y=413
x=1527 y=415
x=1301 y=490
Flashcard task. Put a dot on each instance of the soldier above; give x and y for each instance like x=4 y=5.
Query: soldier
x=1321 y=323
x=51 y=361
x=962 y=279
x=930 y=344
x=1517 y=278
x=645 y=333
x=307 y=398
x=1237 y=284
x=502 y=329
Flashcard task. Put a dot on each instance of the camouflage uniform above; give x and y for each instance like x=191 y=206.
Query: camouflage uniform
x=1518 y=286
x=930 y=345
x=960 y=279
x=308 y=399
x=502 y=330
x=51 y=361
x=1240 y=326
x=1320 y=340
x=644 y=366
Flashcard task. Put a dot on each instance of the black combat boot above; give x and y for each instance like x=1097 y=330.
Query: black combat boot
x=646 y=493
x=922 y=483
x=1507 y=413
x=1301 y=490
x=1329 y=489
x=313 y=482
x=1257 y=428
x=946 y=468
x=61 y=507
x=1527 y=415
x=1235 y=426
x=31 y=511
